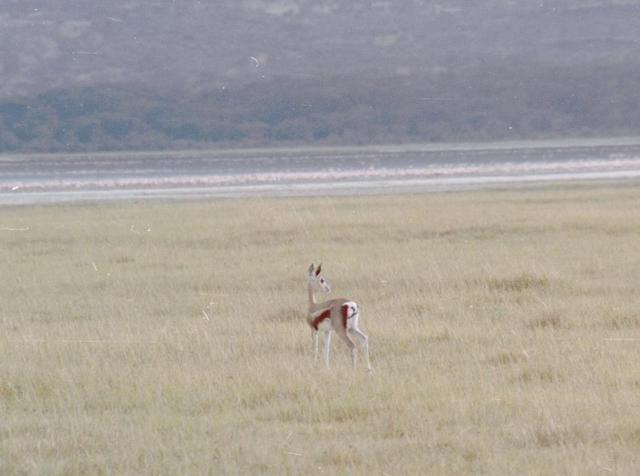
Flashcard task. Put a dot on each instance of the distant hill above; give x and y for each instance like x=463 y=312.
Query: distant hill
x=77 y=75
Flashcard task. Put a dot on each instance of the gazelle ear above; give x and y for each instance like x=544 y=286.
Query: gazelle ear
x=319 y=269
x=311 y=269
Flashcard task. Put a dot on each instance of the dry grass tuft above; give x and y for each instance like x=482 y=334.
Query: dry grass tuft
x=291 y=314
x=547 y=321
x=507 y=358
x=520 y=283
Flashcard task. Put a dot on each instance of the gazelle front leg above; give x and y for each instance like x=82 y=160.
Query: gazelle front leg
x=314 y=339
x=364 y=340
x=326 y=343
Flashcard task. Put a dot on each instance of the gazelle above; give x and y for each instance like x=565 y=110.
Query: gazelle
x=340 y=315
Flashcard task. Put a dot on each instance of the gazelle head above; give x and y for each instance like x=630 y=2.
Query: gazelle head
x=317 y=281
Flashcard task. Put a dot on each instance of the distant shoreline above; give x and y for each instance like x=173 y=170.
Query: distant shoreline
x=402 y=147
x=413 y=168
x=303 y=190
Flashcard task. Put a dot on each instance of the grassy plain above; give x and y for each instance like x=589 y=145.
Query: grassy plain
x=169 y=338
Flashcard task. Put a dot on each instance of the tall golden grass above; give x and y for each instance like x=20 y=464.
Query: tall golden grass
x=169 y=338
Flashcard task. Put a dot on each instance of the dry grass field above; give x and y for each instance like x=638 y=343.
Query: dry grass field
x=169 y=338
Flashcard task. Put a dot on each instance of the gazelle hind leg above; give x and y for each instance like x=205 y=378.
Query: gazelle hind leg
x=326 y=344
x=352 y=347
x=364 y=340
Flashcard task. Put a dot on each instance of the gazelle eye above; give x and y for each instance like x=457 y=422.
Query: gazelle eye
x=322 y=280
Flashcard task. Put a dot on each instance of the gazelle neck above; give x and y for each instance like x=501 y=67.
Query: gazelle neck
x=312 y=297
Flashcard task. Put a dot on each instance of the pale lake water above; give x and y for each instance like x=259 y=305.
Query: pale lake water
x=184 y=175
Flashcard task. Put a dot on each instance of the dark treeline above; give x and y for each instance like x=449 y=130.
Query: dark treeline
x=488 y=101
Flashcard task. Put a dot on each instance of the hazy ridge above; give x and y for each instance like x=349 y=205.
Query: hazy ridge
x=140 y=74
